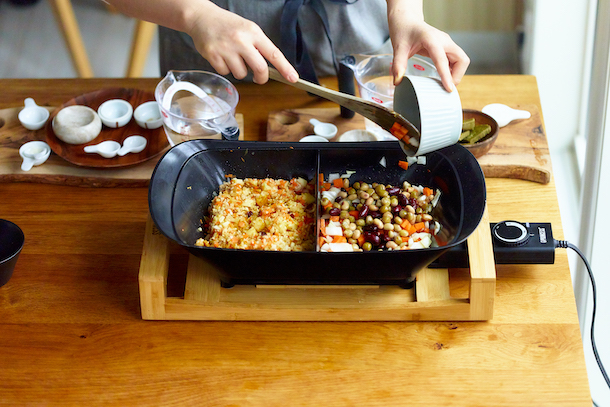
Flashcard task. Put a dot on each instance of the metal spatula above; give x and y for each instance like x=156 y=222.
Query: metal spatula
x=389 y=120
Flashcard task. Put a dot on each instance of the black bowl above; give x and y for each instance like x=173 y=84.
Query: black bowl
x=188 y=175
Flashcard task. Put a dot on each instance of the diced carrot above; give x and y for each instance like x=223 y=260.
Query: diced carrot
x=321 y=241
x=325 y=186
x=440 y=240
x=338 y=182
x=428 y=191
x=339 y=239
x=405 y=238
x=354 y=214
x=335 y=218
x=398 y=130
x=322 y=227
x=360 y=240
x=403 y=164
x=328 y=205
x=320 y=178
x=419 y=227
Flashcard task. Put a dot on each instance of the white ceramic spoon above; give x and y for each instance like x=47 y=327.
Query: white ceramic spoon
x=32 y=116
x=106 y=149
x=505 y=114
x=133 y=144
x=326 y=130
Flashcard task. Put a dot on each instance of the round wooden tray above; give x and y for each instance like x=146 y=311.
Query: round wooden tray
x=157 y=141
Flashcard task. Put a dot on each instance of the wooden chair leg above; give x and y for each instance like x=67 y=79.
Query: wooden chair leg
x=143 y=36
x=64 y=14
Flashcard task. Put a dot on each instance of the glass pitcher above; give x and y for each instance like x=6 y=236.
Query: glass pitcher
x=197 y=104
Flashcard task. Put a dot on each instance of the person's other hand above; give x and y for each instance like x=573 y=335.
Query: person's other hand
x=411 y=37
x=232 y=44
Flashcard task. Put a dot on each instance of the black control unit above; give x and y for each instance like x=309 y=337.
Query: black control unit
x=513 y=243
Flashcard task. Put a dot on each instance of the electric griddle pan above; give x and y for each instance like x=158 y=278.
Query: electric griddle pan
x=188 y=176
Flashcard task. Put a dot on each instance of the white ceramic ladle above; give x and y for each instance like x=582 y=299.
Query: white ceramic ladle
x=34 y=153
x=505 y=114
x=133 y=144
x=326 y=130
x=106 y=149
x=32 y=116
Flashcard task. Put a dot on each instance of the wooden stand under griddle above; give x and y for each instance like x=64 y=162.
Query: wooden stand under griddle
x=205 y=299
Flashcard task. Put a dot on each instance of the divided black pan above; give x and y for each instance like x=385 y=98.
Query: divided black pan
x=188 y=175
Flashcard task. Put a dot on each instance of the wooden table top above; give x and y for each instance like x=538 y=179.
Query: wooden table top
x=71 y=331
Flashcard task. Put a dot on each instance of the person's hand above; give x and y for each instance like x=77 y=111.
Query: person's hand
x=412 y=36
x=232 y=44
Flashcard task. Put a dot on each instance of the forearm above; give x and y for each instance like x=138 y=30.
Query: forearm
x=405 y=10
x=180 y=15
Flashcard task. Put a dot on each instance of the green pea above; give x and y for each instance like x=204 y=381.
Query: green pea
x=367 y=246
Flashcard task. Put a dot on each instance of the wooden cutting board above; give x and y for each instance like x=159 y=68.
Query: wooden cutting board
x=521 y=150
x=56 y=170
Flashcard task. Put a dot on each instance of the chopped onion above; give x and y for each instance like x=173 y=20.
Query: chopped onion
x=421 y=160
x=341 y=247
x=411 y=160
x=436 y=197
x=333 y=176
x=382 y=161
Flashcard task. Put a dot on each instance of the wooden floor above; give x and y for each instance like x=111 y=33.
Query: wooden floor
x=31 y=44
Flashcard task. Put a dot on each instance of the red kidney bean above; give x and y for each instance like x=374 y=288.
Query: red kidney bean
x=393 y=190
x=372 y=238
x=402 y=200
x=334 y=212
x=363 y=211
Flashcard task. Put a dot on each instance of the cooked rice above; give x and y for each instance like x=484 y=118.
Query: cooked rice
x=261 y=214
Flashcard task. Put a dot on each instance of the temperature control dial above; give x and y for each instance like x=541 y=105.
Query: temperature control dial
x=511 y=233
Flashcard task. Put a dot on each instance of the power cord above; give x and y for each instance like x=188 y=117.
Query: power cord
x=564 y=245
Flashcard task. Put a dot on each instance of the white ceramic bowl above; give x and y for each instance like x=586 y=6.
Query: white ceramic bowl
x=313 y=139
x=77 y=124
x=115 y=112
x=436 y=113
x=148 y=115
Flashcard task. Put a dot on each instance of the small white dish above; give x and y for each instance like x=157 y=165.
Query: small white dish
x=326 y=130
x=77 y=124
x=133 y=144
x=34 y=153
x=115 y=113
x=313 y=139
x=32 y=116
x=106 y=149
x=357 y=135
x=503 y=114
x=148 y=115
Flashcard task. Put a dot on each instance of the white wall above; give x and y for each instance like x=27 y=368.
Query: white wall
x=559 y=50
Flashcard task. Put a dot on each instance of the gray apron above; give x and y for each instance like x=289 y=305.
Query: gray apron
x=361 y=27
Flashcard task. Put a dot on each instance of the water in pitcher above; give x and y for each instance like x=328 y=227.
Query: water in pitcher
x=379 y=90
